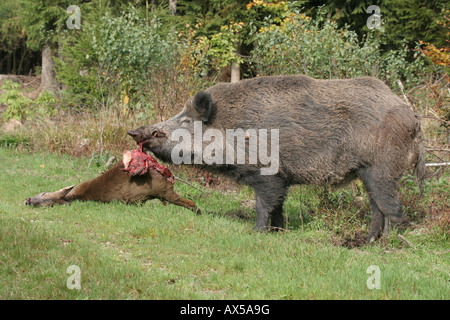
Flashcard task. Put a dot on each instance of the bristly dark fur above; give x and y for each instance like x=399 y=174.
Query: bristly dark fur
x=331 y=132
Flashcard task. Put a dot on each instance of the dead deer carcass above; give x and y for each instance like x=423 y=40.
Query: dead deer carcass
x=116 y=184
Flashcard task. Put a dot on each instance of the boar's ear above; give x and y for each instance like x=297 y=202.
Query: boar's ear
x=204 y=106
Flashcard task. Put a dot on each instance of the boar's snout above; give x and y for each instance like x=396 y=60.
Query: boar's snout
x=136 y=135
x=28 y=201
x=139 y=136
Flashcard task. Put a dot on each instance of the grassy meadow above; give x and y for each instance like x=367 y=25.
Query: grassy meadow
x=153 y=251
x=134 y=63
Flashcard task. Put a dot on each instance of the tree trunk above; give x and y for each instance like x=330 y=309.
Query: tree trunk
x=235 y=68
x=235 y=72
x=48 y=73
x=173 y=6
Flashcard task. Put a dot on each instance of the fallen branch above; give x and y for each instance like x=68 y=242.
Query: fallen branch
x=437 y=164
x=435 y=118
x=407 y=241
x=441 y=150
x=190 y=184
x=278 y=229
x=405 y=97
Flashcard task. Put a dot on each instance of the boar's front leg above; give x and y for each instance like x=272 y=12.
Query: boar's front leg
x=269 y=205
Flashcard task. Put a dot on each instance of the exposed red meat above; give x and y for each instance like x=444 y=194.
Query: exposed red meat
x=137 y=162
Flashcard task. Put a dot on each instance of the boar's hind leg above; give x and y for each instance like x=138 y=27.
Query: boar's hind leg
x=269 y=206
x=384 y=201
x=378 y=221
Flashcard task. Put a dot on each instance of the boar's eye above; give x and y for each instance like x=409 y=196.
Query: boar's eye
x=186 y=121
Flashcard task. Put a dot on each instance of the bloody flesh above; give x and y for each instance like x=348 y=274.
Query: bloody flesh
x=141 y=163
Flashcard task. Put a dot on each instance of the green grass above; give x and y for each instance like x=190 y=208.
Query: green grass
x=152 y=251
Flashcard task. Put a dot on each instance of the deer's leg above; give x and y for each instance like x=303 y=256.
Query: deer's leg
x=172 y=197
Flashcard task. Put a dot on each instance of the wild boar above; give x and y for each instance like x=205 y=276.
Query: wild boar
x=115 y=184
x=323 y=132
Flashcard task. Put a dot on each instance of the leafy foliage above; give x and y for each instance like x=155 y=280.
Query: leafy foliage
x=15 y=101
x=322 y=50
x=223 y=45
x=415 y=20
x=20 y=107
x=41 y=20
x=117 y=53
x=410 y=20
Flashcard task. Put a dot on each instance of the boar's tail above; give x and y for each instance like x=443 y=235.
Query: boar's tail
x=420 y=168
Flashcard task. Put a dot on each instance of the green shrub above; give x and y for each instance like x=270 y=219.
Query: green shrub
x=16 y=103
x=320 y=49
x=20 y=107
x=112 y=60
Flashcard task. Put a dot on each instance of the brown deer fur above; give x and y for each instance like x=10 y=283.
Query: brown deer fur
x=115 y=184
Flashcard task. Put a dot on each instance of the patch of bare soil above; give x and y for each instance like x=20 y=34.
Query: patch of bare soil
x=354 y=240
x=239 y=215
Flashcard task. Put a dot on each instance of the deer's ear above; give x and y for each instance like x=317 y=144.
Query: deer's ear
x=63 y=192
